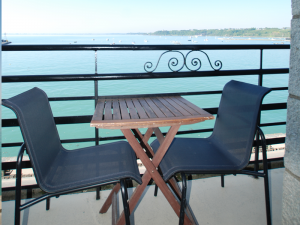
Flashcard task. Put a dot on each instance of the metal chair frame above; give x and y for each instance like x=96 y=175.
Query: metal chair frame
x=19 y=207
x=49 y=158
x=263 y=174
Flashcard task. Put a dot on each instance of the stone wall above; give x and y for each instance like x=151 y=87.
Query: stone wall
x=291 y=185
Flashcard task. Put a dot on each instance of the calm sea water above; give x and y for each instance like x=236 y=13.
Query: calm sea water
x=83 y=62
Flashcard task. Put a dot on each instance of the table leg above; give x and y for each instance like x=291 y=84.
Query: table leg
x=159 y=135
x=144 y=140
x=172 y=182
x=108 y=201
x=152 y=171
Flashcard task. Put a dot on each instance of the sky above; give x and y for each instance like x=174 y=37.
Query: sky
x=135 y=16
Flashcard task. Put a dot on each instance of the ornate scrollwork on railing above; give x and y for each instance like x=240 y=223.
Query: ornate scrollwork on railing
x=196 y=62
x=173 y=62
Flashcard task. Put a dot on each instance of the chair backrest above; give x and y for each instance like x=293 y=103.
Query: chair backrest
x=237 y=119
x=38 y=129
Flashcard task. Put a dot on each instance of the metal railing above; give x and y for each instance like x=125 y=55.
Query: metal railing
x=148 y=74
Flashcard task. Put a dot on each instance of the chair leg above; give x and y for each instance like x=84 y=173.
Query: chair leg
x=266 y=177
x=155 y=190
x=222 y=180
x=98 y=193
x=18 y=185
x=183 y=199
x=125 y=203
x=267 y=199
x=47 y=204
x=18 y=202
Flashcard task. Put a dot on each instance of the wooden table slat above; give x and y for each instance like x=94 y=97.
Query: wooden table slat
x=107 y=110
x=191 y=105
x=116 y=110
x=133 y=113
x=98 y=114
x=163 y=108
x=124 y=110
x=140 y=110
x=189 y=109
x=154 y=107
x=170 y=107
x=148 y=109
x=177 y=106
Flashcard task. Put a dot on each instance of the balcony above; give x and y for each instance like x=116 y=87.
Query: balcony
x=206 y=194
x=242 y=199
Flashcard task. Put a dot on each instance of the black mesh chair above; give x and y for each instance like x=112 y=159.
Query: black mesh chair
x=228 y=149
x=59 y=171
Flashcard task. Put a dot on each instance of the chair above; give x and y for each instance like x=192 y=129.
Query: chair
x=59 y=171
x=228 y=149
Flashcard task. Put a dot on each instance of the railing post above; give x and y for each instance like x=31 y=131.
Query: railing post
x=260 y=82
x=96 y=99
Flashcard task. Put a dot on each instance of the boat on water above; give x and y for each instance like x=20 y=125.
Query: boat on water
x=133 y=43
x=5 y=42
x=107 y=39
x=145 y=41
x=205 y=39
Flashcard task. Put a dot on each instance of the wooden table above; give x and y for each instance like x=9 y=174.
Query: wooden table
x=130 y=114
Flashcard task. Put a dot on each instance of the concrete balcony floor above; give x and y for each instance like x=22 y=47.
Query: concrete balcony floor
x=241 y=201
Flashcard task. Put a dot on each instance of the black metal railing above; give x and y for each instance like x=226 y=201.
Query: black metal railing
x=148 y=74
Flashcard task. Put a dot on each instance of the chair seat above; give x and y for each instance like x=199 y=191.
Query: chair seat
x=91 y=165
x=194 y=155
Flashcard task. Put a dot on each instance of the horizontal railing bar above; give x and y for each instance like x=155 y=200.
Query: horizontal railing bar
x=272 y=124
x=79 y=98
x=24 y=187
x=88 y=118
x=148 y=95
x=58 y=120
x=273 y=141
x=130 y=76
x=273 y=106
x=124 y=47
x=12 y=165
x=72 y=98
x=279 y=88
x=13 y=144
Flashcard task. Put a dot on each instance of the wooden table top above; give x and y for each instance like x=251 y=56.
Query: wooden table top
x=143 y=112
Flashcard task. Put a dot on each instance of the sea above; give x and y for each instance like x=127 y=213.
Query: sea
x=83 y=62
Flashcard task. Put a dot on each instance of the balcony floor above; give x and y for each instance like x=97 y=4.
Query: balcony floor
x=241 y=201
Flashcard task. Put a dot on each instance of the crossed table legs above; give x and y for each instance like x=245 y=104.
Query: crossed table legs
x=152 y=170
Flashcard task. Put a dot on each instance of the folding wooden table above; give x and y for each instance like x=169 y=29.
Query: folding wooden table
x=130 y=114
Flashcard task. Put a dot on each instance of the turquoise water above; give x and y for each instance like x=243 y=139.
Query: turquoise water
x=83 y=62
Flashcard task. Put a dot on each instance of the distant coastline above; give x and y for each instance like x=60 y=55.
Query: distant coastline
x=230 y=32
